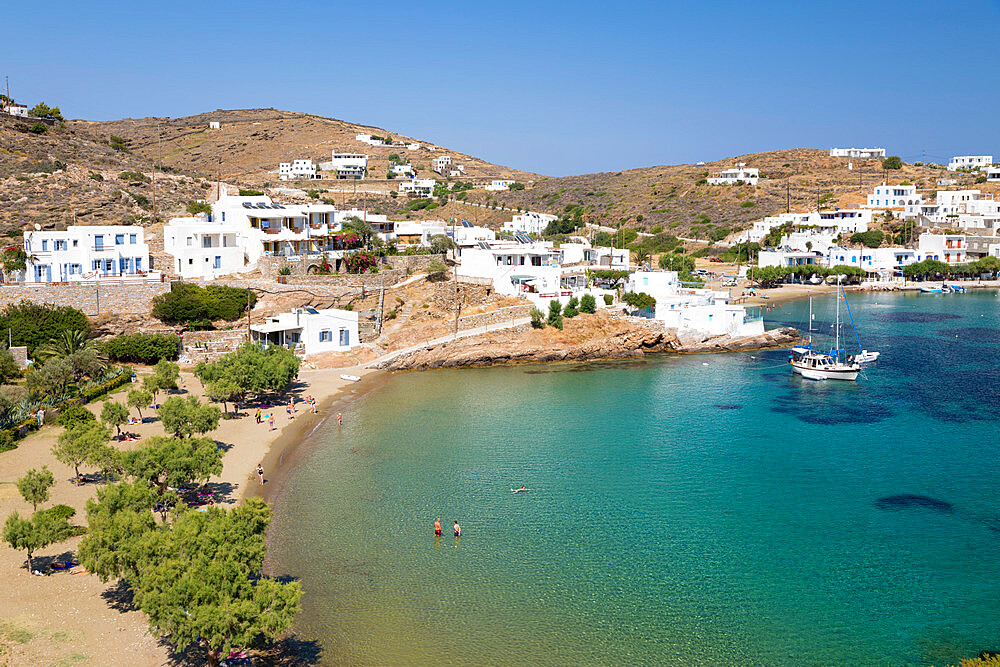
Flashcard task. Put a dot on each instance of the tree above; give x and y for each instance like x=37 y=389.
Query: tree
x=118 y=520
x=642 y=256
x=441 y=244
x=639 y=300
x=51 y=378
x=74 y=415
x=892 y=162
x=196 y=207
x=186 y=416
x=537 y=319
x=572 y=308
x=588 y=304
x=34 y=325
x=80 y=444
x=114 y=414
x=166 y=374
x=138 y=398
x=34 y=486
x=678 y=263
x=362 y=228
x=13 y=258
x=43 y=110
x=165 y=461
x=66 y=343
x=38 y=532
x=141 y=348
x=187 y=302
x=254 y=368
x=223 y=390
x=871 y=239
x=9 y=369
x=555 y=314
x=436 y=271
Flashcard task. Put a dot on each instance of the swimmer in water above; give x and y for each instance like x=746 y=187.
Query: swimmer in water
x=523 y=488
x=437 y=527
x=458 y=530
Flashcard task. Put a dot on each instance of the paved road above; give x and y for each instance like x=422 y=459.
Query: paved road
x=478 y=331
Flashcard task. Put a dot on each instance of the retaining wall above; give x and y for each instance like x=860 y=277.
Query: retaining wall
x=501 y=316
x=135 y=298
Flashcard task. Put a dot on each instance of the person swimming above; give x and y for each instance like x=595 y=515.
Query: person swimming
x=523 y=488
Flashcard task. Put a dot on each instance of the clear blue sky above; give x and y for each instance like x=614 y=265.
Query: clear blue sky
x=554 y=87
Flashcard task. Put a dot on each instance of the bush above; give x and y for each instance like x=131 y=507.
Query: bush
x=870 y=239
x=588 y=304
x=34 y=325
x=639 y=300
x=892 y=162
x=196 y=207
x=608 y=299
x=537 y=319
x=39 y=128
x=96 y=177
x=186 y=302
x=43 y=110
x=117 y=143
x=572 y=308
x=74 y=415
x=285 y=271
x=555 y=314
x=251 y=193
x=436 y=271
x=141 y=200
x=141 y=348
x=133 y=177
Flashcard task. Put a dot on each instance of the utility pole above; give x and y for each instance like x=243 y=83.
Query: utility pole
x=248 y=311
x=218 y=181
x=788 y=195
x=154 y=171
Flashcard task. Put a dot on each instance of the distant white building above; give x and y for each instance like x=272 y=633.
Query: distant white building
x=412 y=147
x=419 y=232
x=529 y=223
x=348 y=166
x=738 y=175
x=15 y=109
x=367 y=139
x=993 y=174
x=401 y=170
x=902 y=197
x=440 y=164
x=879 y=261
x=499 y=184
x=947 y=248
x=310 y=331
x=692 y=312
x=214 y=125
x=789 y=257
x=84 y=252
x=858 y=153
x=814 y=223
x=422 y=187
x=297 y=169
x=970 y=162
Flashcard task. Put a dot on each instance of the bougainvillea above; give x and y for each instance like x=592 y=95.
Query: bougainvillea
x=348 y=240
x=361 y=262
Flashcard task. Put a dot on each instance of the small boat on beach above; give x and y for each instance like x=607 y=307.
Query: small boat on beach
x=350 y=378
x=958 y=289
x=931 y=290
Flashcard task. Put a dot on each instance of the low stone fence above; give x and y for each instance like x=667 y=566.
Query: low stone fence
x=210 y=345
x=385 y=277
x=412 y=263
x=93 y=299
x=500 y=316
x=270 y=266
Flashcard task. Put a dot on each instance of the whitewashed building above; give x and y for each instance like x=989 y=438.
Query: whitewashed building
x=310 y=331
x=902 y=198
x=441 y=164
x=813 y=223
x=498 y=184
x=859 y=153
x=529 y=223
x=88 y=253
x=789 y=257
x=694 y=313
x=422 y=187
x=947 y=248
x=970 y=162
x=214 y=125
x=401 y=170
x=15 y=109
x=738 y=175
x=297 y=169
x=348 y=166
x=993 y=174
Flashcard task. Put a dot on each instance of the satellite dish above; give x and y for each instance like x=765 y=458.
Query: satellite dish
x=38 y=227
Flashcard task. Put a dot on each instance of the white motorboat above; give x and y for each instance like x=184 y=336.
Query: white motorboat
x=931 y=290
x=865 y=357
x=351 y=378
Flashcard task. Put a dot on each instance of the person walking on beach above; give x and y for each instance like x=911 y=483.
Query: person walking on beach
x=458 y=530
x=292 y=405
x=260 y=473
x=340 y=419
x=437 y=527
x=270 y=421
x=258 y=415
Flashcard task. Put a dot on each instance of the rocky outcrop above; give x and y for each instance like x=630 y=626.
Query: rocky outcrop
x=727 y=343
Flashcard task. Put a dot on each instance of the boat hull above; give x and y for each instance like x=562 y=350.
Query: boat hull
x=811 y=373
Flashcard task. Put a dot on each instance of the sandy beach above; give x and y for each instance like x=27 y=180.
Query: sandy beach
x=72 y=617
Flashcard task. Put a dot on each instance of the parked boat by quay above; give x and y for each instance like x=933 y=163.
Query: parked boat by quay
x=834 y=365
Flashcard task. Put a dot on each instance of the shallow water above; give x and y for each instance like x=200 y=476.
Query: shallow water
x=679 y=513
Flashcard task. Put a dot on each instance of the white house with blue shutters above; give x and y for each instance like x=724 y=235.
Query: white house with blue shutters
x=309 y=330
x=84 y=252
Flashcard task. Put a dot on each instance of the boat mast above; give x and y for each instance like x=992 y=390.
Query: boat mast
x=810 y=322
x=837 y=333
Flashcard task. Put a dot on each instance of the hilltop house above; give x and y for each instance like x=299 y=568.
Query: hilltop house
x=401 y=170
x=859 y=153
x=811 y=225
x=498 y=185
x=214 y=125
x=738 y=175
x=15 y=109
x=83 y=252
x=970 y=162
x=348 y=166
x=440 y=164
x=297 y=169
x=422 y=187
x=902 y=199
x=310 y=331
x=529 y=223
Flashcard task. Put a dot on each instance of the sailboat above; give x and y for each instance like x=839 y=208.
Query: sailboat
x=814 y=365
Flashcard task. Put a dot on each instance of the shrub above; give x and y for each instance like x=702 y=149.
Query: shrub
x=285 y=271
x=892 y=162
x=701 y=181
x=34 y=325
x=555 y=314
x=196 y=207
x=117 y=143
x=39 y=128
x=870 y=239
x=43 y=110
x=133 y=177
x=141 y=200
x=436 y=271
x=250 y=193
x=572 y=308
x=537 y=319
x=639 y=300
x=588 y=304
x=186 y=302
x=96 y=177
x=141 y=348
x=74 y=415
x=514 y=187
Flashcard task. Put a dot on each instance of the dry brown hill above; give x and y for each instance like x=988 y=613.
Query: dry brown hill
x=671 y=196
x=251 y=142
x=66 y=174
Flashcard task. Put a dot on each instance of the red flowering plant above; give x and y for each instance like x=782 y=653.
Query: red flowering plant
x=347 y=241
x=361 y=261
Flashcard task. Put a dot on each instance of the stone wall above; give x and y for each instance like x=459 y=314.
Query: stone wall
x=443 y=296
x=133 y=298
x=412 y=263
x=210 y=345
x=386 y=277
x=269 y=266
x=500 y=316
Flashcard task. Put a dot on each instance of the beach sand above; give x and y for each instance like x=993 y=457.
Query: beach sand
x=68 y=618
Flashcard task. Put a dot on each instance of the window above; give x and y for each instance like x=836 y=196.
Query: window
x=206 y=241
x=60 y=245
x=223 y=216
x=190 y=261
x=218 y=262
x=132 y=238
x=45 y=244
x=345 y=338
x=138 y=263
x=75 y=243
x=190 y=240
x=325 y=336
x=119 y=239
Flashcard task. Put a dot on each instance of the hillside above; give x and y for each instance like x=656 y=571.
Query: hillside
x=669 y=196
x=67 y=174
x=251 y=142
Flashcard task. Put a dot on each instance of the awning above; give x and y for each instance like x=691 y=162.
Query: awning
x=273 y=327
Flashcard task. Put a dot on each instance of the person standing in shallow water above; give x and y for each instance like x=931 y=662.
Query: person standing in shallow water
x=437 y=527
x=458 y=530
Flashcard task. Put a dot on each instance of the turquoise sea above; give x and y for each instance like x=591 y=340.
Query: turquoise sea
x=696 y=510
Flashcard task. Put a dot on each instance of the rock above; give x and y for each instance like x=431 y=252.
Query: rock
x=726 y=343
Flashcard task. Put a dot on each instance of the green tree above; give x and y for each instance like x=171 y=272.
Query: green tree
x=555 y=314
x=200 y=206
x=38 y=532
x=9 y=370
x=80 y=444
x=254 y=368
x=34 y=325
x=43 y=110
x=223 y=391
x=165 y=461
x=163 y=378
x=362 y=228
x=34 y=486
x=51 y=378
x=572 y=308
x=872 y=238
x=441 y=244
x=65 y=344
x=187 y=302
x=892 y=162
x=588 y=304
x=537 y=319
x=74 y=415
x=118 y=520
x=137 y=398
x=679 y=263
x=642 y=256
x=114 y=414
x=185 y=416
x=13 y=258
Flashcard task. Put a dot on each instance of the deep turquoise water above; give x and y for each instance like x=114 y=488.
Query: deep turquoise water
x=684 y=510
